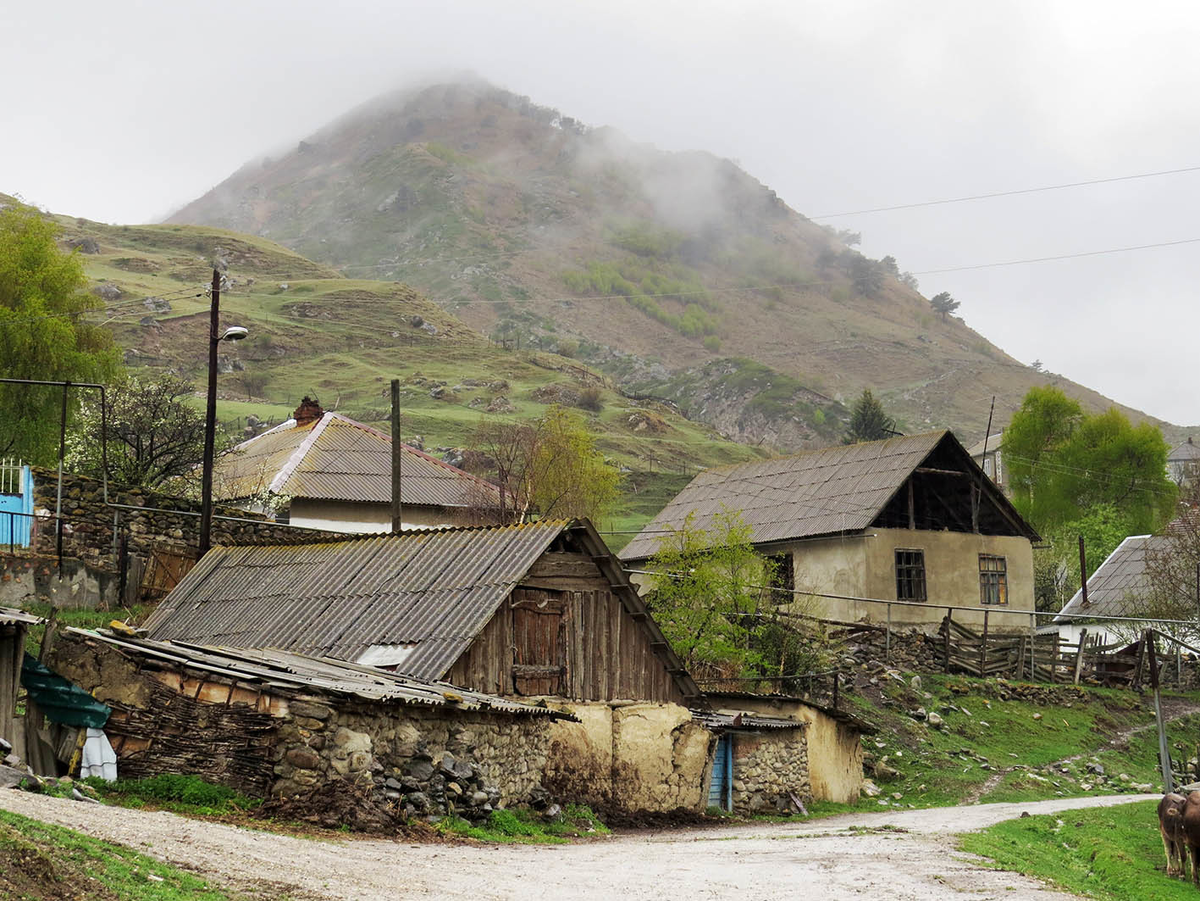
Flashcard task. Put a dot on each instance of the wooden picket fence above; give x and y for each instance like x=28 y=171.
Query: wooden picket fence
x=1038 y=658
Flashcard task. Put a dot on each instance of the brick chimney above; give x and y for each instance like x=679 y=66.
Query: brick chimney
x=309 y=411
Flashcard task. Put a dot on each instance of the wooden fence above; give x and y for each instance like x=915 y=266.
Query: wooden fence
x=1039 y=658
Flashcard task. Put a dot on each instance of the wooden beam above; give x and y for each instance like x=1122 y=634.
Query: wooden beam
x=929 y=470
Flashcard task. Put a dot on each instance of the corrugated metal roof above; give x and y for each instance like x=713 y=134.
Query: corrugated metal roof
x=820 y=492
x=1184 y=451
x=11 y=615
x=275 y=668
x=336 y=458
x=435 y=589
x=1119 y=580
x=721 y=722
x=993 y=444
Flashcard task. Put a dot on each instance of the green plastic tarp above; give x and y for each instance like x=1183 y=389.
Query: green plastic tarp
x=60 y=700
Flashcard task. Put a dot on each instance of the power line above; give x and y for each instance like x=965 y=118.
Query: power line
x=994 y=194
x=1065 y=256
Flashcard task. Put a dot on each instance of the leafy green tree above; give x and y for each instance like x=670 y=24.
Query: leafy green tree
x=550 y=467
x=868 y=420
x=42 y=333
x=1062 y=462
x=943 y=304
x=154 y=435
x=714 y=603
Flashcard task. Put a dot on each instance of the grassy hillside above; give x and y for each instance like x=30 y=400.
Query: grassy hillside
x=342 y=340
x=535 y=228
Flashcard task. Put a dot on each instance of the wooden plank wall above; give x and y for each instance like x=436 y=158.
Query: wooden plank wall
x=12 y=652
x=608 y=654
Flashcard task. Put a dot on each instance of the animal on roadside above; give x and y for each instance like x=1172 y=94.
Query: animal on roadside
x=1191 y=832
x=1172 y=814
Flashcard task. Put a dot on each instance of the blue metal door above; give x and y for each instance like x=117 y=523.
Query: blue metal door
x=720 y=791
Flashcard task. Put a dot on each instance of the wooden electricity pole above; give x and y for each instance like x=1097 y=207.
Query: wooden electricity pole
x=397 y=456
x=1164 y=754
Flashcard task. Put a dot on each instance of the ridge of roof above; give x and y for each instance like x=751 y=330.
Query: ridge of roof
x=814 y=451
x=301 y=451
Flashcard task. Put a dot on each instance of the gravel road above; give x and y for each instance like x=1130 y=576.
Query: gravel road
x=824 y=859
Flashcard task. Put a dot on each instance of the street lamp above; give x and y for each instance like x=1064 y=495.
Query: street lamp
x=233 y=333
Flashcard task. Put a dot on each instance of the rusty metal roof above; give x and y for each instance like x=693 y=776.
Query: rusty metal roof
x=433 y=590
x=281 y=669
x=12 y=616
x=820 y=492
x=336 y=458
x=1120 y=582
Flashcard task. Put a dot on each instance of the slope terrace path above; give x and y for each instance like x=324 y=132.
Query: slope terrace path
x=900 y=855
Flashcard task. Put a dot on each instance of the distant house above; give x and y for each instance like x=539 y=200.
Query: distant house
x=905 y=519
x=327 y=471
x=1183 y=463
x=989 y=457
x=1117 y=588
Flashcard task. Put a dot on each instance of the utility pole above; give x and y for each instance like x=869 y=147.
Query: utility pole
x=397 y=457
x=62 y=453
x=1082 y=573
x=210 y=418
x=1164 y=754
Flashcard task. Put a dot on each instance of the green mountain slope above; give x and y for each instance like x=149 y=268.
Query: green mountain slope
x=342 y=340
x=667 y=269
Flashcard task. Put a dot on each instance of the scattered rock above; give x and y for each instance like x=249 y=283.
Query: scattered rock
x=84 y=245
x=107 y=292
x=936 y=721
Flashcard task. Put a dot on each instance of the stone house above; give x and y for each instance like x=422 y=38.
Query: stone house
x=275 y=724
x=911 y=519
x=323 y=470
x=538 y=612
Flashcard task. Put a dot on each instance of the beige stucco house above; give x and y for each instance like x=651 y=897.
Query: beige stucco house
x=322 y=470
x=911 y=519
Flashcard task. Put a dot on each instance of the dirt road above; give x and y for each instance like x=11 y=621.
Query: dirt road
x=824 y=859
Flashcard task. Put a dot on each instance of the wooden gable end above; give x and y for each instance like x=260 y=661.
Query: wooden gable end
x=564 y=632
x=949 y=492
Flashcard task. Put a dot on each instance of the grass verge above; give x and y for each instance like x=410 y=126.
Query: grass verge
x=40 y=862
x=519 y=826
x=1111 y=853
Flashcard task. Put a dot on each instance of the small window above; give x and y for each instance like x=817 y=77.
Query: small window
x=910 y=575
x=783 y=578
x=993 y=580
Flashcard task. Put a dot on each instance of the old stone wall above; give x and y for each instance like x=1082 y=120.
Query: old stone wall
x=424 y=760
x=769 y=767
x=91 y=521
x=33 y=580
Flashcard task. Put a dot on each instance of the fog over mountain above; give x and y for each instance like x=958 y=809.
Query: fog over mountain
x=125 y=111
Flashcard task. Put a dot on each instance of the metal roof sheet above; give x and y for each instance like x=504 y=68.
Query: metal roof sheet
x=435 y=589
x=11 y=616
x=336 y=458
x=1117 y=584
x=720 y=722
x=820 y=492
x=279 y=668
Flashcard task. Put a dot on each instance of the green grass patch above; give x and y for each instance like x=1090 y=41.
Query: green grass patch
x=519 y=826
x=181 y=794
x=1111 y=853
x=41 y=861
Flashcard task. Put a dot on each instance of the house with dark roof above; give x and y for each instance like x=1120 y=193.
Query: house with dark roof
x=323 y=470
x=911 y=519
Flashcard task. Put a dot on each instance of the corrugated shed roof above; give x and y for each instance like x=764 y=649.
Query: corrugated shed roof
x=280 y=669
x=721 y=722
x=993 y=445
x=432 y=589
x=820 y=492
x=1118 y=579
x=336 y=458
x=11 y=616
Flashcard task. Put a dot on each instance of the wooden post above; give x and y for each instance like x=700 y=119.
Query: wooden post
x=887 y=642
x=912 y=505
x=1082 y=573
x=397 y=457
x=983 y=646
x=1020 y=673
x=1032 y=647
x=946 y=650
x=49 y=635
x=1164 y=755
x=1079 y=656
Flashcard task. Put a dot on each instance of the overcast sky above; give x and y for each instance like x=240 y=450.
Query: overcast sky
x=121 y=111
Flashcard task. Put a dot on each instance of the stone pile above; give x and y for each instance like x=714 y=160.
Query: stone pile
x=449 y=785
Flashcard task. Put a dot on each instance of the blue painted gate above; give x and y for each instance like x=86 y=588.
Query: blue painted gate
x=16 y=504
x=720 y=791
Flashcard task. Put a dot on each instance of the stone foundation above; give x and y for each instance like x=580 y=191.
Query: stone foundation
x=768 y=768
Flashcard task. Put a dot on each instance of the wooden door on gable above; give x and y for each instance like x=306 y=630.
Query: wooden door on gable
x=539 y=642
